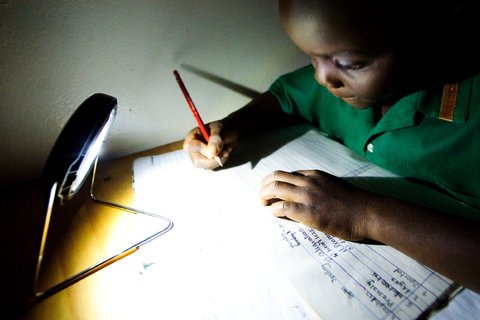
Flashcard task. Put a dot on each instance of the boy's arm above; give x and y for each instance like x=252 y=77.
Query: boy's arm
x=446 y=243
x=262 y=113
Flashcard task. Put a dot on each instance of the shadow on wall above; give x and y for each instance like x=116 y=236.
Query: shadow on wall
x=245 y=91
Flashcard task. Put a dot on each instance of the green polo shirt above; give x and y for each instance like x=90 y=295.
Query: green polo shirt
x=411 y=139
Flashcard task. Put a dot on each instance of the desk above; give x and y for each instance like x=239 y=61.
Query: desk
x=23 y=213
x=114 y=292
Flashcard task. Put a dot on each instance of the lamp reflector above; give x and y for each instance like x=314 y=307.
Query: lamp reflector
x=92 y=153
x=78 y=145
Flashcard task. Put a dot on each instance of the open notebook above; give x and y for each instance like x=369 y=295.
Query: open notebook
x=227 y=253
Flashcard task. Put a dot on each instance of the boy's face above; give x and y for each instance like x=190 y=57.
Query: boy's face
x=346 y=62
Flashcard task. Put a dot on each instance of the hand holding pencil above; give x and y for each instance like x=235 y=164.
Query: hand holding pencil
x=195 y=113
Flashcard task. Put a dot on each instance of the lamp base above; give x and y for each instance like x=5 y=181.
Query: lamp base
x=39 y=295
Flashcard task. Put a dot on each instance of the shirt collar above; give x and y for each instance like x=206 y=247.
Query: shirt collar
x=429 y=102
x=401 y=115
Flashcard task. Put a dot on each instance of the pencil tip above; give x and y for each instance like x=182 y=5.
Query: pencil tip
x=219 y=161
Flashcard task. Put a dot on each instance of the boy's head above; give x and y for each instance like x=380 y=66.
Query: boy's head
x=366 y=52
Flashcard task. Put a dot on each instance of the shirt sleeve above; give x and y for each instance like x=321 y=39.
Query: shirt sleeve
x=292 y=88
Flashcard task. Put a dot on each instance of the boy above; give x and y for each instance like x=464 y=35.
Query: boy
x=400 y=91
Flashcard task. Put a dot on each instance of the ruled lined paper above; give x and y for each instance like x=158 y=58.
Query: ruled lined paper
x=330 y=278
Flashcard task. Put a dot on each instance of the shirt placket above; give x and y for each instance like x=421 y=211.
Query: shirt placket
x=399 y=117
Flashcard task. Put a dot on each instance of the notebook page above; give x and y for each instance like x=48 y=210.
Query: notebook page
x=210 y=265
x=332 y=277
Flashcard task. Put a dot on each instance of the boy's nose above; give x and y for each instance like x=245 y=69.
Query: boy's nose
x=326 y=74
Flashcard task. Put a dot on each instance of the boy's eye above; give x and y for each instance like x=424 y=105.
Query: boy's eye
x=348 y=66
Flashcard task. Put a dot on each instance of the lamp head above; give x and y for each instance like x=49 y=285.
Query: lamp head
x=72 y=157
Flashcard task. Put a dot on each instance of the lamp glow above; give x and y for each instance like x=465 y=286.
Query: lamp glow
x=92 y=154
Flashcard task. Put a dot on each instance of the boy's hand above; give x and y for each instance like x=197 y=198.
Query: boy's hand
x=317 y=200
x=202 y=154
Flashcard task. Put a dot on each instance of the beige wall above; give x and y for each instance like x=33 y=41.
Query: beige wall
x=55 y=54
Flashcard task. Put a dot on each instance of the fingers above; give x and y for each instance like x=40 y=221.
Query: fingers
x=213 y=148
x=291 y=210
x=215 y=143
x=281 y=185
x=288 y=194
x=318 y=200
x=283 y=176
x=203 y=154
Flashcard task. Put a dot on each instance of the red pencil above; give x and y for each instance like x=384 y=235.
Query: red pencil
x=195 y=113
